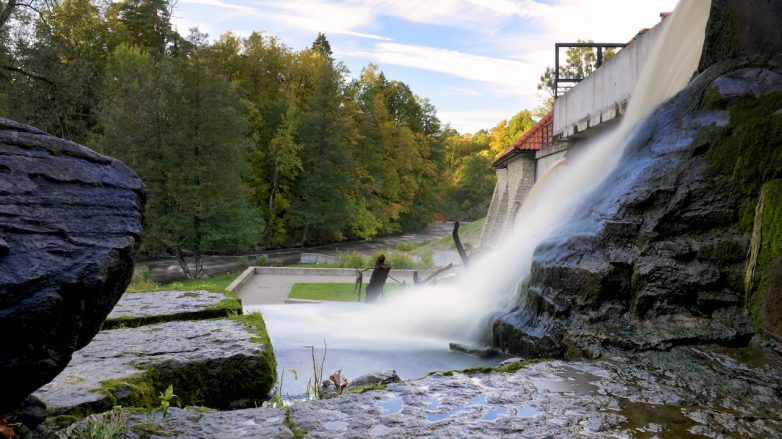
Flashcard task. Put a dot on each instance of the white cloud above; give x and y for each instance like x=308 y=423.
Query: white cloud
x=471 y=121
x=505 y=73
x=220 y=4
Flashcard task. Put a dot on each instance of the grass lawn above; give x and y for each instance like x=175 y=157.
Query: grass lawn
x=338 y=292
x=214 y=283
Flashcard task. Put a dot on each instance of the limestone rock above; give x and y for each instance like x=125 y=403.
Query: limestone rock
x=255 y=423
x=376 y=378
x=656 y=255
x=71 y=223
x=216 y=363
x=709 y=391
x=135 y=309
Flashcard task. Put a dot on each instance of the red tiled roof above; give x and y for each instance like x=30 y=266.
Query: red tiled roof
x=539 y=136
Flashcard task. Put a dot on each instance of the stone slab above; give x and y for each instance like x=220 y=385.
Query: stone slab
x=687 y=392
x=248 y=423
x=157 y=306
x=173 y=353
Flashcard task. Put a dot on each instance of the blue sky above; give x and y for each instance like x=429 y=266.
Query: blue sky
x=478 y=61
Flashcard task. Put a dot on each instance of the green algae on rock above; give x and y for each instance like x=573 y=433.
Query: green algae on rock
x=136 y=309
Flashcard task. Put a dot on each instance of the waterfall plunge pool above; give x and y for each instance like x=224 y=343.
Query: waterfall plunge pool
x=354 y=348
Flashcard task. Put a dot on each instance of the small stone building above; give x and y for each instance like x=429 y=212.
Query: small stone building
x=516 y=174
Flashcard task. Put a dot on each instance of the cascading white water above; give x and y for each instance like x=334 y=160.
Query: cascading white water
x=435 y=315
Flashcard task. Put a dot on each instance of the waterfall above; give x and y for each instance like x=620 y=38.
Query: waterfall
x=462 y=311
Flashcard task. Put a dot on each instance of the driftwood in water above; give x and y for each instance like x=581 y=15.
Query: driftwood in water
x=458 y=243
x=378 y=280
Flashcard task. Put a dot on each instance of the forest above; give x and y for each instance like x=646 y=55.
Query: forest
x=242 y=142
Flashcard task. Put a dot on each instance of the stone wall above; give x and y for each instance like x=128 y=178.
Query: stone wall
x=513 y=185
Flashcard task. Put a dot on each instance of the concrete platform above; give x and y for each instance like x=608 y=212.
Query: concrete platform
x=272 y=285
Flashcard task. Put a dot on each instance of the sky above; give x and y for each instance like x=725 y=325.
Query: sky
x=478 y=61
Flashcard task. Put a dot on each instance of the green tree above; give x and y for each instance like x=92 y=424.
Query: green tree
x=187 y=144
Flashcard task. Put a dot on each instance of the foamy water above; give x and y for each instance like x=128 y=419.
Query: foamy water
x=430 y=317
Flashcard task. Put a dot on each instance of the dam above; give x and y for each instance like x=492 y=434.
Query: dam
x=594 y=106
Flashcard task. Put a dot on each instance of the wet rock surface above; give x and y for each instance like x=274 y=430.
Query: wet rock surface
x=71 y=223
x=688 y=392
x=156 y=306
x=655 y=257
x=216 y=363
x=248 y=423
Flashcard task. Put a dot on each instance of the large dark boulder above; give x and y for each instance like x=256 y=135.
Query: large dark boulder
x=70 y=223
x=657 y=255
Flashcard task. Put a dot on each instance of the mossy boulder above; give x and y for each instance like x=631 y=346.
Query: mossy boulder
x=219 y=363
x=71 y=224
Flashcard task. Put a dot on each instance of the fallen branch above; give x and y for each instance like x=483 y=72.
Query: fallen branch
x=418 y=281
x=458 y=243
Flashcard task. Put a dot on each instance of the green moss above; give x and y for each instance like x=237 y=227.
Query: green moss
x=368 y=388
x=508 y=368
x=770 y=247
x=724 y=253
x=229 y=306
x=298 y=432
x=748 y=149
x=149 y=428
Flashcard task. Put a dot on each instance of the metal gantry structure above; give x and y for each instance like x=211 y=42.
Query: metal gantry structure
x=559 y=80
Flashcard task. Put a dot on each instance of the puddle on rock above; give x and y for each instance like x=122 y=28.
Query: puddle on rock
x=478 y=400
x=392 y=405
x=379 y=430
x=573 y=381
x=481 y=400
x=655 y=420
x=527 y=411
x=336 y=426
x=494 y=413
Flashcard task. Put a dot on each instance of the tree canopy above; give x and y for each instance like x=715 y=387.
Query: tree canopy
x=241 y=141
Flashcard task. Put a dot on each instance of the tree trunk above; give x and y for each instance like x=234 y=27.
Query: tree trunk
x=304 y=235
x=458 y=243
x=183 y=263
x=272 y=194
x=199 y=266
x=378 y=280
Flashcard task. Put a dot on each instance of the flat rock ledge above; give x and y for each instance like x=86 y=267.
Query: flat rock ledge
x=135 y=309
x=220 y=363
x=687 y=392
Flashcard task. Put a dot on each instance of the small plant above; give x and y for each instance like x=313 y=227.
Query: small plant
x=317 y=371
x=262 y=261
x=276 y=262
x=165 y=400
x=142 y=280
x=242 y=263
x=340 y=382
x=100 y=426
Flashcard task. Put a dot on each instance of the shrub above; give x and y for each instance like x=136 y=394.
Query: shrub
x=262 y=261
x=276 y=262
x=353 y=260
x=142 y=280
x=242 y=263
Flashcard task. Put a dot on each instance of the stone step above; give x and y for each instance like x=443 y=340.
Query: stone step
x=136 y=309
x=220 y=363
